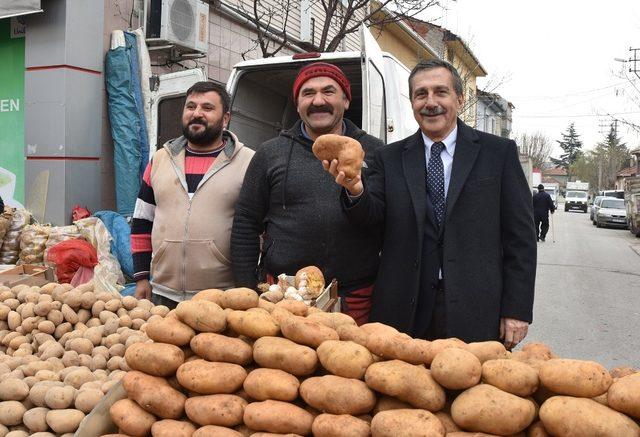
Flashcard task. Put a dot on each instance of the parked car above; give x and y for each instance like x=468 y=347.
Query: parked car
x=593 y=208
x=619 y=194
x=611 y=212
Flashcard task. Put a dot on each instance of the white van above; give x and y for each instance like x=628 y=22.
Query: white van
x=261 y=102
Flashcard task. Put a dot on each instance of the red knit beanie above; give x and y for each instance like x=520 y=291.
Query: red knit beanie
x=318 y=69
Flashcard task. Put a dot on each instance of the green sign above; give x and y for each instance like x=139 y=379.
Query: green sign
x=11 y=113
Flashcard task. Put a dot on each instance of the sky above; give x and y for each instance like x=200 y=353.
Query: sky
x=554 y=60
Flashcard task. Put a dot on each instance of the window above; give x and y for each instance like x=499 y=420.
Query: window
x=377 y=110
x=170 y=119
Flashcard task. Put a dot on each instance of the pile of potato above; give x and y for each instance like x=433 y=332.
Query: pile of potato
x=61 y=350
x=231 y=364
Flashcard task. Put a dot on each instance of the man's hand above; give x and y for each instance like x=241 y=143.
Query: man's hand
x=354 y=186
x=512 y=331
x=143 y=289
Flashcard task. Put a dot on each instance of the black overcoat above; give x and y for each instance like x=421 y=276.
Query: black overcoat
x=487 y=245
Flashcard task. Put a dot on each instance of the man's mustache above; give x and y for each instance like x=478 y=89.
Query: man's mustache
x=198 y=121
x=438 y=110
x=318 y=109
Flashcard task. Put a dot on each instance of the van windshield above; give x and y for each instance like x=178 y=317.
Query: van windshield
x=578 y=194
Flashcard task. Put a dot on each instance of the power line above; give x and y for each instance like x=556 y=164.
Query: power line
x=577 y=93
x=574 y=115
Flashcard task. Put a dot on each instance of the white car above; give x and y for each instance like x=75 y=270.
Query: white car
x=612 y=212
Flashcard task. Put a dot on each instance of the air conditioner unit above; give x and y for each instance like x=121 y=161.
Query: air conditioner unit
x=183 y=23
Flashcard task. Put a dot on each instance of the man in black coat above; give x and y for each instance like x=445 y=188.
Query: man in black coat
x=459 y=249
x=292 y=202
x=542 y=206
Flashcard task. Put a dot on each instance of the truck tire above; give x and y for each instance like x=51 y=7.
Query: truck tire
x=566 y=208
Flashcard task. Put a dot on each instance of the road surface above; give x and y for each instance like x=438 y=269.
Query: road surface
x=587 y=303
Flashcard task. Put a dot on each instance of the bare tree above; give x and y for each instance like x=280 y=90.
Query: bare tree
x=340 y=18
x=270 y=19
x=535 y=145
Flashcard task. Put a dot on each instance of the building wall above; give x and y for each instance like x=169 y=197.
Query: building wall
x=391 y=43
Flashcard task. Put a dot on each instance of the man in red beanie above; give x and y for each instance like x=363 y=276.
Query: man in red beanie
x=288 y=197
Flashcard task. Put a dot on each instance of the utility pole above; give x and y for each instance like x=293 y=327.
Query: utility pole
x=634 y=61
x=604 y=127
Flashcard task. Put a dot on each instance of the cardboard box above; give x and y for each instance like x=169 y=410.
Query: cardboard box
x=28 y=274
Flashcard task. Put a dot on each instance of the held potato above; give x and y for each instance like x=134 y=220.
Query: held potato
x=131 y=418
x=202 y=315
x=338 y=395
x=217 y=347
x=239 y=299
x=156 y=359
x=283 y=354
x=346 y=150
x=171 y=331
x=329 y=425
x=254 y=324
x=154 y=394
x=221 y=410
x=344 y=358
x=305 y=331
x=511 y=376
x=580 y=417
x=406 y=423
x=624 y=395
x=277 y=417
x=172 y=428
x=586 y=379
x=206 y=377
x=456 y=369
x=263 y=384
x=406 y=382
x=485 y=408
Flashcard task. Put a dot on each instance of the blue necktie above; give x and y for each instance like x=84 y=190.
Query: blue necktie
x=435 y=181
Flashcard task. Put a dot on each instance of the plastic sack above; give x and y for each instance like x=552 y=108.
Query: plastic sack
x=107 y=274
x=33 y=243
x=5 y=222
x=121 y=239
x=82 y=276
x=58 y=234
x=69 y=255
x=11 y=243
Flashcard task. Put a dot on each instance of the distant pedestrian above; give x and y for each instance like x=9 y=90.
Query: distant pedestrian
x=542 y=205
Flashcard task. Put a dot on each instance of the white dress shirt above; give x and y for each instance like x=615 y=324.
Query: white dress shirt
x=446 y=155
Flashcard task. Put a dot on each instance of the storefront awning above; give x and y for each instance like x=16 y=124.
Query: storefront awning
x=14 y=8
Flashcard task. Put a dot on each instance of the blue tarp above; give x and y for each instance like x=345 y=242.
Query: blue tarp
x=120 y=239
x=128 y=128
